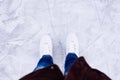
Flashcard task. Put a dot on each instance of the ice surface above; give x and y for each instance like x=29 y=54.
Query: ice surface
x=23 y=22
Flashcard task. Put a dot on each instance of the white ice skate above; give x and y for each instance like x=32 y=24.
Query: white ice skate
x=46 y=46
x=72 y=44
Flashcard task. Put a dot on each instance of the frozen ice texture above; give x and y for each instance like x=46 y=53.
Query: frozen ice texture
x=23 y=22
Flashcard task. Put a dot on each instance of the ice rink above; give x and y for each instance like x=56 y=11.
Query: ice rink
x=24 y=22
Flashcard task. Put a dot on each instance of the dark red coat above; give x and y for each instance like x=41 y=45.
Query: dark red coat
x=80 y=70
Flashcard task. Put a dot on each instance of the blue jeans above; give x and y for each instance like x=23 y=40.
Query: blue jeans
x=70 y=59
x=47 y=60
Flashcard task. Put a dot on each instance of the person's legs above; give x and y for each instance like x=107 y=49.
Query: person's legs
x=70 y=58
x=72 y=51
x=45 y=53
x=45 y=61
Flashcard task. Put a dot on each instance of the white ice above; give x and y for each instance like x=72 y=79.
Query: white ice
x=23 y=22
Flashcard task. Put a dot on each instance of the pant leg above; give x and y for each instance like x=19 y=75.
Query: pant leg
x=70 y=58
x=45 y=61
